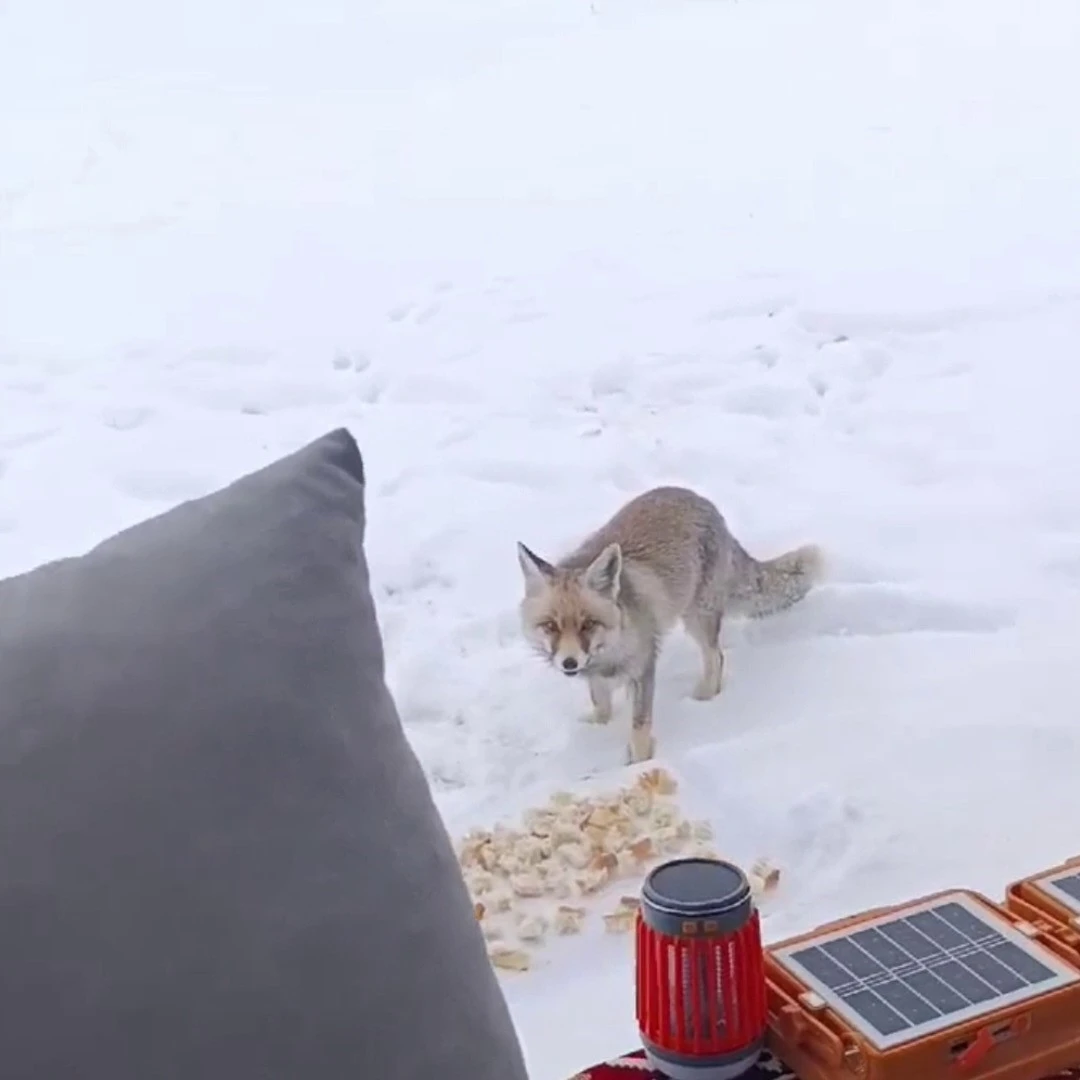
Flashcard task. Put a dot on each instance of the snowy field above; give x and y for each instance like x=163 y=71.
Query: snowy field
x=819 y=259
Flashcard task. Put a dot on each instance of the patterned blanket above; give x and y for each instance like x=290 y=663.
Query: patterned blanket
x=634 y=1067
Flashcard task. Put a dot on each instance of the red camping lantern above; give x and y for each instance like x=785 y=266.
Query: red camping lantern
x=700 y=971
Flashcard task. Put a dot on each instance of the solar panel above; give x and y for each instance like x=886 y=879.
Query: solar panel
x=1063 y=887
x=924 y=968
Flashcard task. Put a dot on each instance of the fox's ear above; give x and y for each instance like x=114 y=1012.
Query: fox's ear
x=537 y=572
x=605 y=571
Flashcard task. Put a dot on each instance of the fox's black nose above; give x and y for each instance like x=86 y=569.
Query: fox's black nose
x=569 y=664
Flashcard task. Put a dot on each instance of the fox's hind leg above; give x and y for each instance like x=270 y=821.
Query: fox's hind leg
x=704 y=628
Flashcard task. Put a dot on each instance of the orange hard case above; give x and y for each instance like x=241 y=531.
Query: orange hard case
x=1020 y=1041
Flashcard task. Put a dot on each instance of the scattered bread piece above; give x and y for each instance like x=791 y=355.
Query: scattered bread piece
x=527 y=885
x=592 y=880
x=510 y=959
x=596 y=837
x=620 y=921
x=565 y=833
x=575 y=855
x=532 y=849
x=569 y=920
x=668 y=840
x=659 y=781
x=764 y=877
x=539 y=822
x=532 y=928
x=487 y=856
x=481 y=882
x=703 y=851
x=604 y=862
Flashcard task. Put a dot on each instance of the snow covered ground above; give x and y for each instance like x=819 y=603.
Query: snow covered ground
x=818 y=258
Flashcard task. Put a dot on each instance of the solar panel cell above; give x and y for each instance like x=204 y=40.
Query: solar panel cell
x=965 y=923
x=937 y=930
x=904 y=999
x=990 y=971
x=938 y=993
x=1070 y=886
x=855 y=960
x=910 y=941
x=1024 y=964
x=970 y=988
x=825 y=970
x=873 y=1009
x=889 y=955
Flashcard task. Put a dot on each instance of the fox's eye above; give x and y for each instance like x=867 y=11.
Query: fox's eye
x=549 y=627
x=589 y=625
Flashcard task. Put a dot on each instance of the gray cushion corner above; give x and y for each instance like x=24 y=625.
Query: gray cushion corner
x=219 y=856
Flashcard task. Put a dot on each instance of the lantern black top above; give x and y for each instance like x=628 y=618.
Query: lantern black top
x=695 y=896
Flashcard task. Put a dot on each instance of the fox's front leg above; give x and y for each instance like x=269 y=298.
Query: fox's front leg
x=704 y=628
x=642 y=691
x=601 y=692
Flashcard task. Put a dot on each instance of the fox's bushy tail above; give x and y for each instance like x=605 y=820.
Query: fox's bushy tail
x=765 y=587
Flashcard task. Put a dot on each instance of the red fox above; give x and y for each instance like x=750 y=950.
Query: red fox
x=667 y=555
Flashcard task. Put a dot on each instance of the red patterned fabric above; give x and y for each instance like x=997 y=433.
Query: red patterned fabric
x=634 y=1067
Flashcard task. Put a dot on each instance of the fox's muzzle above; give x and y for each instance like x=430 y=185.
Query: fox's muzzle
x=570 y=661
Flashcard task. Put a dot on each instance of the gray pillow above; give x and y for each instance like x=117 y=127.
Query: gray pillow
x=219 y=858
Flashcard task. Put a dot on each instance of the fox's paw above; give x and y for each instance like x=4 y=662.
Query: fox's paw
x=712 y=676
x=642 y=746
x=707 y=688
x=597 y=716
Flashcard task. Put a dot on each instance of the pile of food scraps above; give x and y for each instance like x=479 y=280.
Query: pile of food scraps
x=540 y=879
